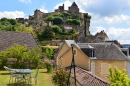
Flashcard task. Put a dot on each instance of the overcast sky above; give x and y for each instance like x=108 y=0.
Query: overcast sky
x=112 y=16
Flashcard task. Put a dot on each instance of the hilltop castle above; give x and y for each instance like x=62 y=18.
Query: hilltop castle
x=36 y=21
x=40 y=15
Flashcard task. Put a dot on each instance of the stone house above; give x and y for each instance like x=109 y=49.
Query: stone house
x=93 y=57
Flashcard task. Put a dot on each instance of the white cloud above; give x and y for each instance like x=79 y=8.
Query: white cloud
x=111 y=19
x=109 y=11
x=112 y=16
x=42 y=9
x=12 y=14
x=67 y=3
x=104 y=7
x=94 y=30
x=26 y=1
x=124 y=41
x=117 y=19
x=120 y=34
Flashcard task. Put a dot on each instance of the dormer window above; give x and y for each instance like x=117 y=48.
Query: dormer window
x=125 y=51
x=88 y=50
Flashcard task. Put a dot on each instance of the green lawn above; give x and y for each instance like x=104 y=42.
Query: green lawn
x=43 y=78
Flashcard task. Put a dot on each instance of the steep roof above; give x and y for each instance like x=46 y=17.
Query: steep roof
x=74 y=4
x=70 y=42
x=107 y=51
x=86 y=78
x=8 y=38
x=104 y=51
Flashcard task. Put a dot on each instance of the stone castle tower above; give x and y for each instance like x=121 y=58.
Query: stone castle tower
x=74 y=8
x=38 y=14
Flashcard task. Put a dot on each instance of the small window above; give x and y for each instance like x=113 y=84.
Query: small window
x=75 y=52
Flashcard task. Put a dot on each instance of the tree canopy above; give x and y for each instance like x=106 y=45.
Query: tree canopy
x=49 y=18
x=56 y=29
x=73 y=21
x=57 y=20
x=22 y=54
x=118 y=77
x=48 y=33
x=12 y=25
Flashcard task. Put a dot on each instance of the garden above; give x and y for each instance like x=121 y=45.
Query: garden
x=20 y=57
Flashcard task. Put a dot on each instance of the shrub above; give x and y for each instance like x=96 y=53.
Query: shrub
x=49 y=52
x=60 y=77
x=49 y=67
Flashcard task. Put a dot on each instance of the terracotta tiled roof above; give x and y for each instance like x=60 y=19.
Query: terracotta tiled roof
x=86 y=78
x=8 y=38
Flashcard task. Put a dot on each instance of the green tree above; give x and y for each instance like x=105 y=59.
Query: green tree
x=23 y=28
x=22 y=54
x=118 y=77
x=73 y=21
x=57 y=20
x=69 y=21
x=65 y=14
x=49 y=52
x=49 y=18
x=4 y=19
x=48 y=33
x=33 y=56
x=12 y=25
x=56 y=29
x=12 y=21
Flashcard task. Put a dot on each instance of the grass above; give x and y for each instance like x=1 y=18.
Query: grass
x=43 y=79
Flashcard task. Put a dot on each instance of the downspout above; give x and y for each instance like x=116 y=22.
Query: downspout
x=90 y=64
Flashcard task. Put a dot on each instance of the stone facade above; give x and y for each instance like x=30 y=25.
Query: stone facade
x=60 y=8
x=39 y=15
x=20 y=20
x=74 y=8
